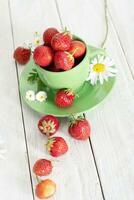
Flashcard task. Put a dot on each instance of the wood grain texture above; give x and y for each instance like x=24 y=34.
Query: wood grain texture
x=75 y=173
x=14 y=173
x=122 y=15
x=112 y=123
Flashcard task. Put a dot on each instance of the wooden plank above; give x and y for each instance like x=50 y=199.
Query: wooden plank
x=122 y=15
x=14 y=172
x=75 y=174
x=112 y=139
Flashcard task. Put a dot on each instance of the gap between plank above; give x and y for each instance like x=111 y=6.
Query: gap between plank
x=97 y=169
x=58 y=11
x=120 y=43
x=90 y=143
x=22 y=115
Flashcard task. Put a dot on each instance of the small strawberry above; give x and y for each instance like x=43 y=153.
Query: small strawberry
x=45 y=189
x=79 y=128
x=42 y=167
x=57 y=146
x=22 y=55
x=43 y=55
x=61 y=41
x=48 y=125
x=63 y=60
x=64 y=98
x=77 y=48
x=48 y=34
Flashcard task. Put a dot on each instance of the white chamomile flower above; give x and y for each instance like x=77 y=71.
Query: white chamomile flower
x=30 y=95
x=37 y=39
x=41 y=96
x=100 y=69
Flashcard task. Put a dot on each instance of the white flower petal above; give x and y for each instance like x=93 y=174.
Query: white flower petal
x=111 y=74
x=101 y=59
x=91 y=67
x=41 y=96
x=101 y=79
x=94 y=61
x=30 y=95
x=111 y=69
x=105 y=77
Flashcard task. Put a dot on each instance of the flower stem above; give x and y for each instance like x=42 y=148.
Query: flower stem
x=106 y=24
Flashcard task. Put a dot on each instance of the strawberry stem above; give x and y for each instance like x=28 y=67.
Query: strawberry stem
x=74 y=52
x=84 y=115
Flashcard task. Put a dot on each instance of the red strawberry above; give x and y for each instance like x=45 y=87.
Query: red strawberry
x=61 y=41
x=42 y=167
x=22 y=55
x=57 y=146
x=52 y=68
x=80 y=129
x=45 y=189
x=77 y=48
x=43 y=56
x=48 y=34
x=64 y=98
x=48 y=125
x=63 y=60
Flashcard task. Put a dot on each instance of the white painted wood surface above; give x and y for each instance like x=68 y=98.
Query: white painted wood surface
x=102 y=168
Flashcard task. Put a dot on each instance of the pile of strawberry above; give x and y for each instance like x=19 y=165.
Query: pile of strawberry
x=48 y=125
x=58 y=53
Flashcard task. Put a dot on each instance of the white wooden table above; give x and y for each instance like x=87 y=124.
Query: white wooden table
x=99 y=169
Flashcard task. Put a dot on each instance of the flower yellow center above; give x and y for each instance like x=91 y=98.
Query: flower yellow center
x=37 y=42
x=99 y=67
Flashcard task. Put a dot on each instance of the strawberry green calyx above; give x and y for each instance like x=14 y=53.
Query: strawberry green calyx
x=49 y=144
x=67 y=32
x=74 y=120
x=69 y=92
x=48 y=127
x=74 y=51
x=70 y=56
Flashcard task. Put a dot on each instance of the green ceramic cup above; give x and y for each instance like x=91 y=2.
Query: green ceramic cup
x=73 y=78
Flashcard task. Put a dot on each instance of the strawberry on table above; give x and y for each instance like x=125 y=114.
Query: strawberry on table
x=61 y=41
x=45 y=189
x=79 y=128
x=48 y=34
x=63 y=60
x=57 y=146
x=48 y=125
x=42 y=167
x=43 y=55
x=77 y=48
x=22 y=55
x=64 y=98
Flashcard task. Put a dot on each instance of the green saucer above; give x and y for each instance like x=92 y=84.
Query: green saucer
x=88 y=97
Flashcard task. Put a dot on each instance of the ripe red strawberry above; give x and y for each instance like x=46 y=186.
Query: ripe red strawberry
x=45 y=189
x=77 y=48
x=42 y=167
x=57 y=146
x=52 y=68
x=61 y=41
x=48 y=125
x=22 y=55
x=63 y=60
x=48 y=34
x=64 y=98
x=79 y=129
x=43 y=55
